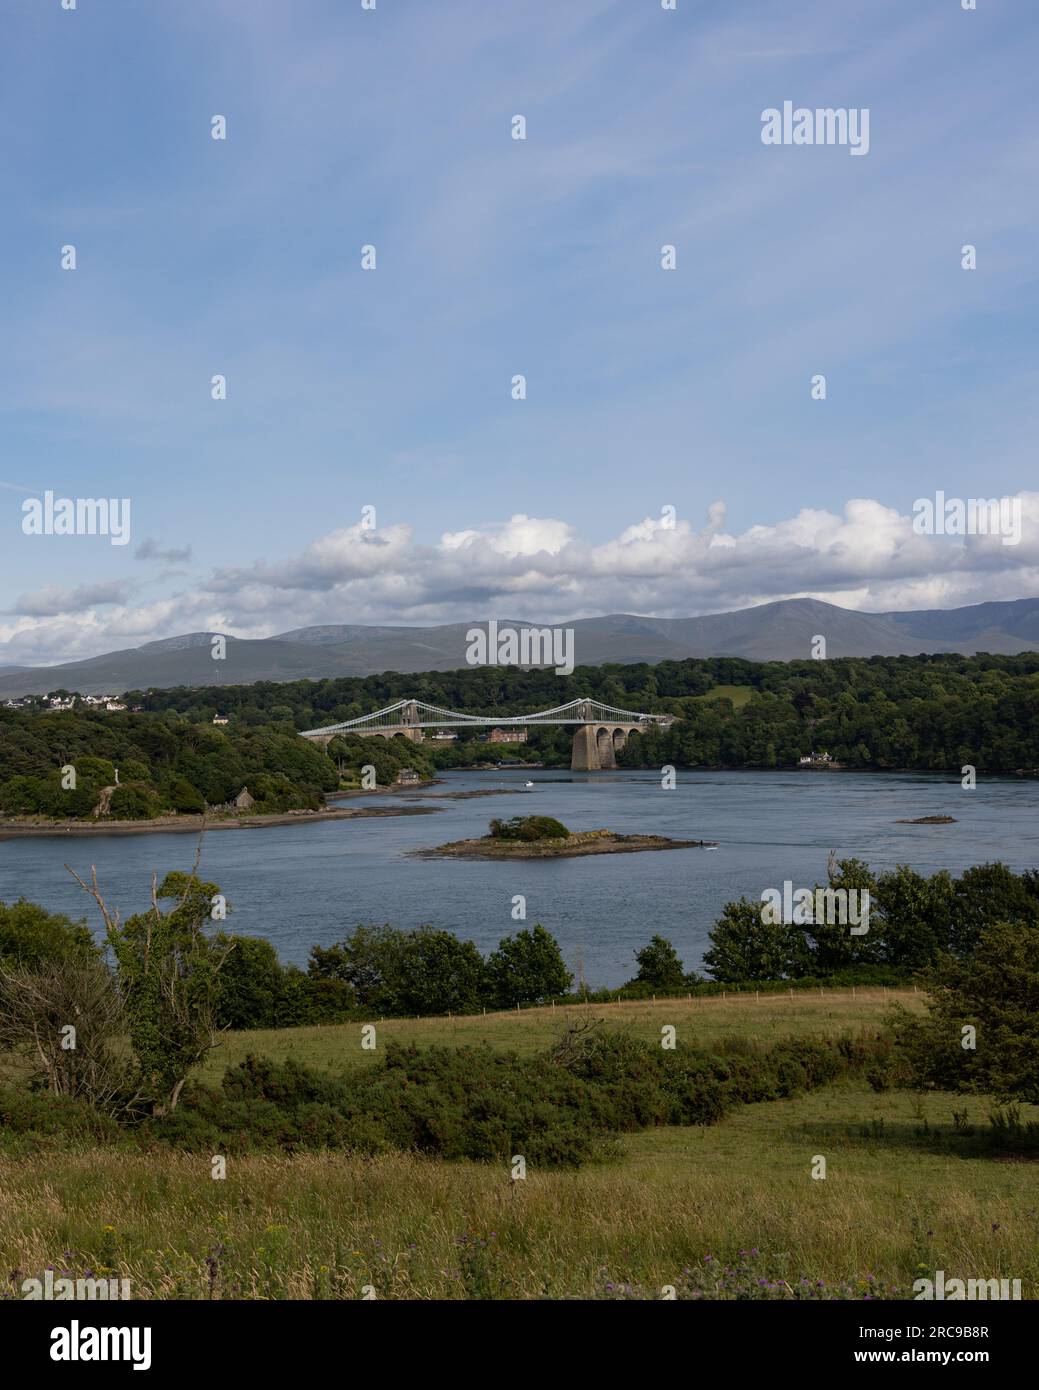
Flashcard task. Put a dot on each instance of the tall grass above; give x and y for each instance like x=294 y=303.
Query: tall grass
x=900 y=1200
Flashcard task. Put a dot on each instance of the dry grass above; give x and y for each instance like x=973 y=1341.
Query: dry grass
x=328 y=1225
x=699 y=1022
x=901 y=1197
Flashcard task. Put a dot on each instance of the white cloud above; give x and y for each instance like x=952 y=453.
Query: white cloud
x=866 y=557
x=50 y=602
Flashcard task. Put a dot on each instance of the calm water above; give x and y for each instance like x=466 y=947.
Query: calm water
x=307 y=884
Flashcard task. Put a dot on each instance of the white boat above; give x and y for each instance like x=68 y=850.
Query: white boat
x=528 y=784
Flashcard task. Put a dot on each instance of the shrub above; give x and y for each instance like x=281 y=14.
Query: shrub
x=134 y=801
x=183 y=797
x=561 y=1108
x=31 y=936
x=529 y=828
x=24 y=1112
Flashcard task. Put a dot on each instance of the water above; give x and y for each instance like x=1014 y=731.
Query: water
x=308 y=884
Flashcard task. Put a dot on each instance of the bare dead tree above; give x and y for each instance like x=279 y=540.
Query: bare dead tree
x=64 y=1020
x=575 y=1041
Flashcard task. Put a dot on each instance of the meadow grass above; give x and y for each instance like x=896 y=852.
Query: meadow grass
x=699 y=1022
x=738 y=694
x=905 y=1192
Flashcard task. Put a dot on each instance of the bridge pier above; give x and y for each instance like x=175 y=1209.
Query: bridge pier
x=595 y=746
x=584 y=756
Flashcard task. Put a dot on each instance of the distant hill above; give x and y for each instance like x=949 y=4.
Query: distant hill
x=771 y=632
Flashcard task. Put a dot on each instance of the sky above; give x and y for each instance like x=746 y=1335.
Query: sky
x=392 y=389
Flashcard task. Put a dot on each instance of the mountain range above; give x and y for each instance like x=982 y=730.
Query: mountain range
x=781 y=631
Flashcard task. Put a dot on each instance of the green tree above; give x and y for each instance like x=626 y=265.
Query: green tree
x=440 y=974
x=368 y=961
x=659 y=965
x=995 y=993
x=527 y=968
x=168 y=976
x=985 y=894
x=743 y=947
x=134 y=801
x=249 y=983
x=31 y=936
x=529 y=828
x=183 y=797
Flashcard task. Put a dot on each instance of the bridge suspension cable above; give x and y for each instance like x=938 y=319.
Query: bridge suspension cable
x=417 y=714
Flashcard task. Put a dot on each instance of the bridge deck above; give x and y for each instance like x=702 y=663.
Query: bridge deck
x=419 y=715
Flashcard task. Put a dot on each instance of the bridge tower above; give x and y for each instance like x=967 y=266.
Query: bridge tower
x=410 y=717
x=596 y=743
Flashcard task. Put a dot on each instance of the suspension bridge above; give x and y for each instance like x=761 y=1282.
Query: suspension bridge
x=599 y=730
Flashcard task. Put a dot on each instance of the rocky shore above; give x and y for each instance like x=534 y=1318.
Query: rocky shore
x=581 y=843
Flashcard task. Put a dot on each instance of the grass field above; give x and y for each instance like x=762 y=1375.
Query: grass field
x=903 y=1195
x=698 y=1021
x=738 y=694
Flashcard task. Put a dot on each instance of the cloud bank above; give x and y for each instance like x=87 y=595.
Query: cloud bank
x=868 y=557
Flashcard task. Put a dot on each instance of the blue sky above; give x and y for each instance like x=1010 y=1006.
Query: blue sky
x=391 y=388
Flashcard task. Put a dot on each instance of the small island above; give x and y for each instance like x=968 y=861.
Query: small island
x=929 y=820
x=544 y=837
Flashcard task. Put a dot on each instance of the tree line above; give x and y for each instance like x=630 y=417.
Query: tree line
x=930 y=711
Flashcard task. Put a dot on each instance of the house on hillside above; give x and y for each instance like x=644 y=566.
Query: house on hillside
x=243 y=801
x=408 y=777
x=220 y=719
x=507 y=736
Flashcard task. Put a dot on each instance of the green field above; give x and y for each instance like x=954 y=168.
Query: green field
x=904 y=1193
x=738 y=694
x=699 y=1023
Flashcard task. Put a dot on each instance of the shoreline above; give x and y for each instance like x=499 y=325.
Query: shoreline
x=12 y=830
x=577 y=846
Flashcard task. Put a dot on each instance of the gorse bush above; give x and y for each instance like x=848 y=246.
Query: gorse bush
x=38 y=1117
x=558 y=1109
